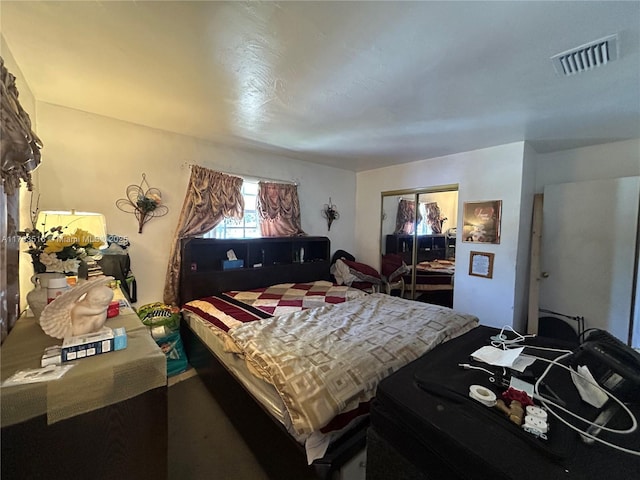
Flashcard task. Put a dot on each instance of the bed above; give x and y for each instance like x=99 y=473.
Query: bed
x=435 y=275
x=309 y=352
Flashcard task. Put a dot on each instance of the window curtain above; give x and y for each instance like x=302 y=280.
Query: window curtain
x=434 y=218
x=278 y=210
x=211 y=197
x=406 y=217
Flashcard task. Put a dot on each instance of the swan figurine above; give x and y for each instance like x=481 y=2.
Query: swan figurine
x=81 y=310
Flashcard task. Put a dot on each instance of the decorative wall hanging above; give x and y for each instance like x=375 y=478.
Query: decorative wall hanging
x=481 y=221
x=330 y=212
x=143 y=201
x=20 y=147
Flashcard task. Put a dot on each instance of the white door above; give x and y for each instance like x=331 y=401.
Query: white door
x=588 y=249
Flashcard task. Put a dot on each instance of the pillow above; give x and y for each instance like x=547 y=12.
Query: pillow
x=363 y=272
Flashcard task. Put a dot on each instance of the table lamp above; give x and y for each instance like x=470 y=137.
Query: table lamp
x=70 y=220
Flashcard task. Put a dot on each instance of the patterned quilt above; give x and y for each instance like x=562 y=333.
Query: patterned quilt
x=223 y=312
x=329 y=360
x=293 y=297
x=233 y=308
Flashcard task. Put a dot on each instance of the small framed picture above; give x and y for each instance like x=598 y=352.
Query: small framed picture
x=481 y=264
x=481 y=221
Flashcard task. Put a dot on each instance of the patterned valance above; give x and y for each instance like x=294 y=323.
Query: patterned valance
x=19 y=146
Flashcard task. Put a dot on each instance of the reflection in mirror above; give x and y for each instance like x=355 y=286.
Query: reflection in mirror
x=440 y=213
x=418 y=227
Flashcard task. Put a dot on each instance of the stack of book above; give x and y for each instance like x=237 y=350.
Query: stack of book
x=92 y=269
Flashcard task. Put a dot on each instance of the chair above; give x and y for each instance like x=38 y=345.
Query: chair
x=553 y=327
x=393 y=269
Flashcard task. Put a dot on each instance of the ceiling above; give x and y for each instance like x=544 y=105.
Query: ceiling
x=356 y=85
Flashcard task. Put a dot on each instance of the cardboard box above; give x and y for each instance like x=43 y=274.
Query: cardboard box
x=231 y=264
x=91 y=344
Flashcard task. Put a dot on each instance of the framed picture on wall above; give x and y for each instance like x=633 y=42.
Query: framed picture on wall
x=481 y=264
x=481 y=221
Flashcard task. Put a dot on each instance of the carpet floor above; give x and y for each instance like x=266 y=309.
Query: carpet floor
x=205 y=444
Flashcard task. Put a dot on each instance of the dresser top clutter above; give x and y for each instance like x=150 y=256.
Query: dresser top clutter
x=117 y=398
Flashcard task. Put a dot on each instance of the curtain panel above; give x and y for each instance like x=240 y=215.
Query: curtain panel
x=211 y=197
x=406 y=216
x=278 y=209
x=434 y=218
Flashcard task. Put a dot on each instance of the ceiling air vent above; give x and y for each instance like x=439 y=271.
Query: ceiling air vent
x=585 y=57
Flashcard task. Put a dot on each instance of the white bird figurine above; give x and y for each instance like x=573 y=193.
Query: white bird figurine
x=81 y=310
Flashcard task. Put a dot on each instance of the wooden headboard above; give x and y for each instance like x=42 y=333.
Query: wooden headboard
x=266 y=261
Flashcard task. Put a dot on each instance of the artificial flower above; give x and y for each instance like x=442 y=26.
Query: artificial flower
x=58 y=252
x=149 y=202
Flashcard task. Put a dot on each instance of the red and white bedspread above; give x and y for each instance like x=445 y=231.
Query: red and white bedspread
x=231 y=309
x=223 y=313
x=293 y=297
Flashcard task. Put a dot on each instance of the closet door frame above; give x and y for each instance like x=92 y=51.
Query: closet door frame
x=416 y=192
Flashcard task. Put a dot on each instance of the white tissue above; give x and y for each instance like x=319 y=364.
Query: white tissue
x=231 y=255
x=589 y=392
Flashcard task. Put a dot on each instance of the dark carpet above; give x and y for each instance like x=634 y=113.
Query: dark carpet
x=204 y=443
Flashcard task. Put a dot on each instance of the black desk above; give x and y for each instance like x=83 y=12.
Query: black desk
x=438 y=432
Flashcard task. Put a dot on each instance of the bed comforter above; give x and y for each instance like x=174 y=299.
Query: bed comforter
x=328 y=360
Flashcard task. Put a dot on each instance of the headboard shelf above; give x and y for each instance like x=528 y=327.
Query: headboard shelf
x=276 y=260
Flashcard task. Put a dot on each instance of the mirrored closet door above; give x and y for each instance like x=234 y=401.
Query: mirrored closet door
x=418 y=229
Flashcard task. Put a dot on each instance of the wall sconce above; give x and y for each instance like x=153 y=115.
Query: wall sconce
x=144 y=204
x=330 y=212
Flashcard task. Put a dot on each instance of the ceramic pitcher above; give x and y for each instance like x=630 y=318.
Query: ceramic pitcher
x=37 y=298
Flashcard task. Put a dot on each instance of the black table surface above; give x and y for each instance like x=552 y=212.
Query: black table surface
x=425 y=412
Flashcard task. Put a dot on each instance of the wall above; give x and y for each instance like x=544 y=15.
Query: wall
x=487 y=174
x=607 y=160
x=599 y=162
x=90 y=160
x=523 y=264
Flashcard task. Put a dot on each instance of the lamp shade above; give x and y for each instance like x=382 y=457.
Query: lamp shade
x=70 y=220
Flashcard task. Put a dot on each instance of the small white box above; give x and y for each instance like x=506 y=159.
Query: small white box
x=91 y=344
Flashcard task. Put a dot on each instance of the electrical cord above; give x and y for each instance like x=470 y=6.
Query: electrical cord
x=501 y=340
x=466 y=366
x=546 y=402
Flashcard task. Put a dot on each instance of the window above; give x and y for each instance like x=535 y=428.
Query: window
x=423 y=227
x=246 y=227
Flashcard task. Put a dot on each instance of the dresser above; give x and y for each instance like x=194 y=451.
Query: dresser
x=106 y=418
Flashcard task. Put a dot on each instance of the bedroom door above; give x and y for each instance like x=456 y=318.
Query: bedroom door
x=588 y=255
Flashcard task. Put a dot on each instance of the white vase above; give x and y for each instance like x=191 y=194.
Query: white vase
x=37 y=298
